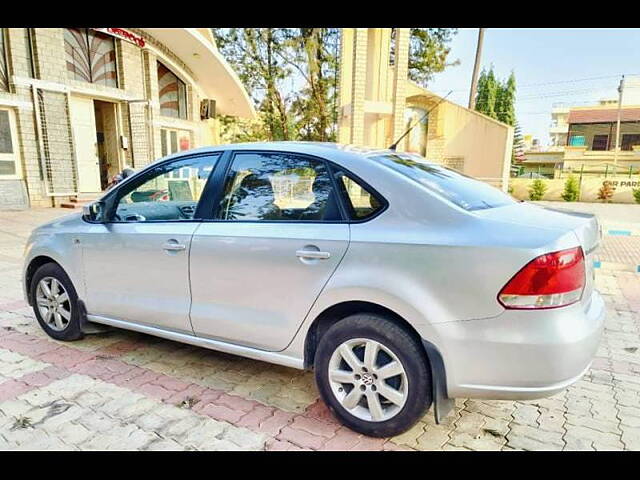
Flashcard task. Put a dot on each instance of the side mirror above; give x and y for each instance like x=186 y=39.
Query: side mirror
x=94 y=212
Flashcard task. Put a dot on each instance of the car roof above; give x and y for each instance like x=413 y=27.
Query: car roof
x=347 y=155
x=317 y=148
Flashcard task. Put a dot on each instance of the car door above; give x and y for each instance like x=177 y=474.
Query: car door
x=275 y=238
x=136 y=266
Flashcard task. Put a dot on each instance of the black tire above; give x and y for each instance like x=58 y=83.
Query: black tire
x=408 y=351
x=72 y=330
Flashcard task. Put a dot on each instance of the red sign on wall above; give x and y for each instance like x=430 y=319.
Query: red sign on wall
x=123 y=35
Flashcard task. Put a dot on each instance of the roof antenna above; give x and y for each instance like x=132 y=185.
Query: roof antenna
x=395 y=144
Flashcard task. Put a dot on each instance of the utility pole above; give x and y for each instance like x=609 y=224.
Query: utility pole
x=615 y=153
x=476 y=68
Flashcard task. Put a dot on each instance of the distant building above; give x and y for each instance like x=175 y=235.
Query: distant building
x=559 y=127
x=78 y=104
x=583 y=138
x=530 y=144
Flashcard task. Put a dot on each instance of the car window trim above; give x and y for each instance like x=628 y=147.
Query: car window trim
x=223 y=179
x=213 y=189
x=346 y=200
x=111 y=204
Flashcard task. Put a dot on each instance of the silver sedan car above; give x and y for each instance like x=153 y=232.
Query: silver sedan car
x=400 y=282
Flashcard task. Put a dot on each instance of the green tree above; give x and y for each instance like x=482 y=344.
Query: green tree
x=496 y=98
x=571 y=189
x=518 y=144
x=235 y=130
x=258 y=57
x=636 y=194
x=271 y=62
x=314 y=54
x=537 y=190
x=428 y=52
x=487 y=93
x=505 y=101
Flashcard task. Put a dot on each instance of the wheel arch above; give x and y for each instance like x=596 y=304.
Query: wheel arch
x=34 y=264
x=335 y=313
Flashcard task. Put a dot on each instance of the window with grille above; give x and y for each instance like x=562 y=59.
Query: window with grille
x=91 y=56
x=4 y=74
x=629 y=140
x=172 y=93
x=600 y=142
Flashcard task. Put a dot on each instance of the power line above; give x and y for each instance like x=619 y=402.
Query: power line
x=559 y=94
x=575 y=80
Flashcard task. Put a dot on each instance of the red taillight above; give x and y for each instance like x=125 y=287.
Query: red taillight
x=551 y=280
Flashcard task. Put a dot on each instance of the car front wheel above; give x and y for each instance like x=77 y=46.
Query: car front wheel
x=55 y=303
x=373 y=375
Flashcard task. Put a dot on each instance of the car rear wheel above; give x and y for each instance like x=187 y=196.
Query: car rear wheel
x=373 y=375
x=55 y=303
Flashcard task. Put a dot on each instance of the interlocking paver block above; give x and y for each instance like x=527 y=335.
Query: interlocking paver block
x=244 y=438
x=301 y=438
x=73 y=433
x=433 y=438
x=165 y=444
x=410 y=437
x=344 y=439
x=203 y=435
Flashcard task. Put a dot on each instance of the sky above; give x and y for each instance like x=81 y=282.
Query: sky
x=573 y=66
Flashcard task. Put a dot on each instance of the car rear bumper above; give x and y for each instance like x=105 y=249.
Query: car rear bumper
x=521 y=354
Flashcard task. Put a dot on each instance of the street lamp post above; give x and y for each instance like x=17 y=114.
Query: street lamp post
x=476 y=68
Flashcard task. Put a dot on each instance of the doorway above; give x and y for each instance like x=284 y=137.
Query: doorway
x=95 y=132
x=107 y=141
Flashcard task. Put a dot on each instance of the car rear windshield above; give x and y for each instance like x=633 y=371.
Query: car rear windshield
x=464 y=191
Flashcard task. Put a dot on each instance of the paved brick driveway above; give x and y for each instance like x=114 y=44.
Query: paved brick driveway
x=122 y=390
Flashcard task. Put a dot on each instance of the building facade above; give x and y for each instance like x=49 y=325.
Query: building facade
x=378 y=103
x=589 y=143
x=559 y=127
x=77 y=105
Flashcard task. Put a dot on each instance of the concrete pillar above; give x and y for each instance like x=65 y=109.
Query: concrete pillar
x=358 y=86
x=400 y=76
x=379 y=44
x=344 y=84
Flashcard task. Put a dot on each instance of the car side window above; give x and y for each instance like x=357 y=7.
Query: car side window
x=168 y=192
x=275 y=186
x=361 y=203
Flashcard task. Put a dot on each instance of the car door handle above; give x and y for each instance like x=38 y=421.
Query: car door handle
x=174 y=246
x=312 y=254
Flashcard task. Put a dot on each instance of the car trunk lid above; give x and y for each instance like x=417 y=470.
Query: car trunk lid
x=584 y=225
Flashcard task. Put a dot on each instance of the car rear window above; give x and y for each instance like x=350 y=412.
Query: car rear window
x=460 y=189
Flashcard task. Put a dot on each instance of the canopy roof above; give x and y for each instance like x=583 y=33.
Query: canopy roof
x=213 y=74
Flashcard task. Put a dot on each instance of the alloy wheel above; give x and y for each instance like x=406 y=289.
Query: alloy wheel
x=53 y=303
x=368 y=379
